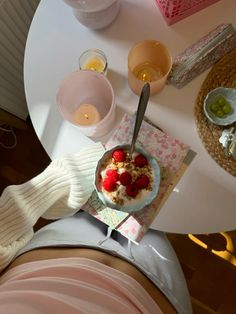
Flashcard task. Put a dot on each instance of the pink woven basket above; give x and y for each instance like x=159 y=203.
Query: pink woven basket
x=176 y=10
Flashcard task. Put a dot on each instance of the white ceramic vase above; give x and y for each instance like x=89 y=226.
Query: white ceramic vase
x=95 y=14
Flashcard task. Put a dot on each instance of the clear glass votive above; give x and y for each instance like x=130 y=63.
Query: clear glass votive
x=86 y=99
x=93 y=59
x=148 y=61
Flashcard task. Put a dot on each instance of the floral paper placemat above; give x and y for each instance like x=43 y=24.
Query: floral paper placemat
x=173 y=157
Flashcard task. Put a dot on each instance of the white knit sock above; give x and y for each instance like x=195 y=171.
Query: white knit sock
x=59 y=191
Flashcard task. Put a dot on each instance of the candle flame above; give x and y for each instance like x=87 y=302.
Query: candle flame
x=95 y=64
x=86 y=116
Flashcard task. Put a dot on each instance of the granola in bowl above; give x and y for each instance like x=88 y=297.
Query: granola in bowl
x=125 y=182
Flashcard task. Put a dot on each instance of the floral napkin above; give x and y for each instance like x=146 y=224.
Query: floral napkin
x=173 y=157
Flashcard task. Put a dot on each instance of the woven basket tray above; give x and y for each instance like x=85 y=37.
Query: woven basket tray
x=222 y=74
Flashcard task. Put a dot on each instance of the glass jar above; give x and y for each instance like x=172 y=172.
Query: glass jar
x=93 y=59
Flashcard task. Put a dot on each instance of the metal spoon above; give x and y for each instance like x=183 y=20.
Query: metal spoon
x=142 y=105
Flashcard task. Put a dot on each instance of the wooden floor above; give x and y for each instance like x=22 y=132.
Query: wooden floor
x=208 y=262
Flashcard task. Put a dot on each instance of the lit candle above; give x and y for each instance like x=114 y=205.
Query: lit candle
x=86 y=114
x=147 y=72
x=93 y=59
x=95 y=64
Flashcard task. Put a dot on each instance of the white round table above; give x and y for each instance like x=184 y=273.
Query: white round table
x=204 y=200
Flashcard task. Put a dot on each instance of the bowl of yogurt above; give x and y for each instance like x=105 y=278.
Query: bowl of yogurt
x=124 y=182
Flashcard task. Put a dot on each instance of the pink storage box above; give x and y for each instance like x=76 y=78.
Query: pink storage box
x=176 y=10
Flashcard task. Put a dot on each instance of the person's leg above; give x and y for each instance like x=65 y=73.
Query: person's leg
x=79 y=230
x=154 y=255
x=157 y=257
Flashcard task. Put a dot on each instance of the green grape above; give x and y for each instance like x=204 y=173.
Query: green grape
x=214 y=107
x=220 y=113
x=221 y=101
x=227 y=108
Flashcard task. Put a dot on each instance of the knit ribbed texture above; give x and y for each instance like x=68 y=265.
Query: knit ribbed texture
x=59 y=191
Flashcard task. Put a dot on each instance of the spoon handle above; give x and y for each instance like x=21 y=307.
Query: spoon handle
x=142 y=105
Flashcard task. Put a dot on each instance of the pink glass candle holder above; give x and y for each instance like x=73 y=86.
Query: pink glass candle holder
x=86 y=99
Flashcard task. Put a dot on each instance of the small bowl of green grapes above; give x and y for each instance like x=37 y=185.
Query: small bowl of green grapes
x=220 y=106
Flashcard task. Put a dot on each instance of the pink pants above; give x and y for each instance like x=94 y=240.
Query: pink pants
x=154 y=255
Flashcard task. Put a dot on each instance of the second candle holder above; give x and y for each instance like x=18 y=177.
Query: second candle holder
x=148 y=61
x=93 y=59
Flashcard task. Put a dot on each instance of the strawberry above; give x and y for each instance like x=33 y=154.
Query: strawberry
x=112 y=174
x=109 y=184
x=132 y=190
x=125 y=178
x=119 y=155
x=142 y=181
x=140 y=161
